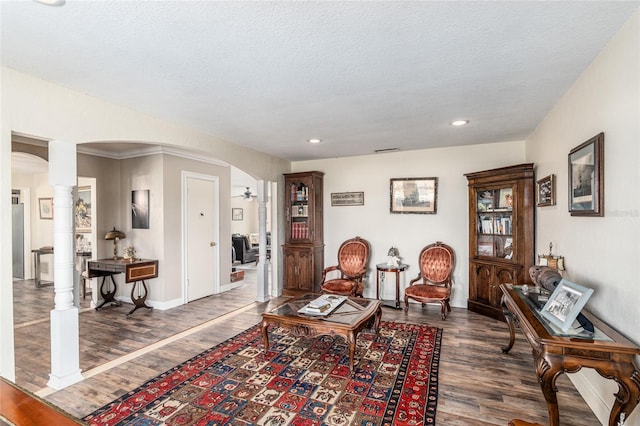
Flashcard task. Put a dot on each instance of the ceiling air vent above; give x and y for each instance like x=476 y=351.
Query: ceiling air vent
x=385 y=150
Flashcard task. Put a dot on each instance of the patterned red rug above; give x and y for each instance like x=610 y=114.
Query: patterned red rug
x=300 y=381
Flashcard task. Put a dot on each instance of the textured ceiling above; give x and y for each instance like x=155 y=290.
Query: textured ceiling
x=361 y=76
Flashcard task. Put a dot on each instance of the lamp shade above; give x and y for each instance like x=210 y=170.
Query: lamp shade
x=114 y=234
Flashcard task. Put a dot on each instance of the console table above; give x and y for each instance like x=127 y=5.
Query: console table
x=382 y=268
x=135 y=271
x=608 y=352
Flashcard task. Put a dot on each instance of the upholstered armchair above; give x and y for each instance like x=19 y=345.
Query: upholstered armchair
x=434 y=281
x=353 y=258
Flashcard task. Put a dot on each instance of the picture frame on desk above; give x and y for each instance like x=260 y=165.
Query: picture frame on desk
x=565 y=303
x=413 y=195
x=586 y=178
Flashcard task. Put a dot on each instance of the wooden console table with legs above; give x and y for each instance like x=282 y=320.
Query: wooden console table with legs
x=607 y=351
x=135 y=272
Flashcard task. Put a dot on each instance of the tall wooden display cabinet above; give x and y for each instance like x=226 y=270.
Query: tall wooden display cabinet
x=303 y=250
x=501 y=234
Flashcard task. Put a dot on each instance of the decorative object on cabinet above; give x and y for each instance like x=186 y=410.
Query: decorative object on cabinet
x=414 y=195
x=353 y=258
x=115 y=235
x=501 y=234
x=545 y=277
x=393 y=254
x=435 y=279
x=586 y=178
x=83 y=209
x=303 y=249
x=236 y=214
x=347 y=198
x=555 y=262
x=565 y=303
x=46 y=208
x=546 y=189
x=140 y=209
x=129 y=253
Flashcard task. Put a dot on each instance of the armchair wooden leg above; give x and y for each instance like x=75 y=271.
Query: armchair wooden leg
x=443 y=310
x=406 y=304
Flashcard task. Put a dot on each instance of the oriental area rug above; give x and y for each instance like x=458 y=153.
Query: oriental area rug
x=299 y=381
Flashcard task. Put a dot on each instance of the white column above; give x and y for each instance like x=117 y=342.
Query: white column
x=263 y=265
x=65 y=342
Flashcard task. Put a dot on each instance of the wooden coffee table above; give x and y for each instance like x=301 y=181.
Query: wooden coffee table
x=347 y=320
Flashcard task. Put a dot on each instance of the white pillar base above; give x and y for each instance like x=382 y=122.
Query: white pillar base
x=65 y=349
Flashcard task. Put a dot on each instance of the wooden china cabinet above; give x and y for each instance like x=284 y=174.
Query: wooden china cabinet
x=501 y=234
x=303 y=250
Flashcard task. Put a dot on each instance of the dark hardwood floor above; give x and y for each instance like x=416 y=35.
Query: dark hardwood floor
x=478 y=384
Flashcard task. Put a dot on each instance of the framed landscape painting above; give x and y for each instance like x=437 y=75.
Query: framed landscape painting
x=414 y=195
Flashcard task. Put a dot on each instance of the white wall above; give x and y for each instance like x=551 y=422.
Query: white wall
x=600 y=252
x=409 y=232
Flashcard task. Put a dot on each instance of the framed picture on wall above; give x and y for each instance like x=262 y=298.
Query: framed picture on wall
x=83 y=209
x=140 y=209
x=236 y=214
x=546 y=191
x=414 y=195
x=586 y=178
x=46 y=208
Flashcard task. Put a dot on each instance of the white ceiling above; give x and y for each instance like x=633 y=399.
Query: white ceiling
x=359 y=75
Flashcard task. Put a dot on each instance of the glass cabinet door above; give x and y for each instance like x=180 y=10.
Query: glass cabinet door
x=299 y=225
x=494 y=222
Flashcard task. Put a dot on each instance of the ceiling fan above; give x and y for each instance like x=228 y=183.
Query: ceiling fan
x=247 y=195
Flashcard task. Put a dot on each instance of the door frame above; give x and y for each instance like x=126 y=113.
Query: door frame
x=216 y=228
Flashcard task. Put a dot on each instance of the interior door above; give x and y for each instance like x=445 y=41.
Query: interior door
x=201 y=238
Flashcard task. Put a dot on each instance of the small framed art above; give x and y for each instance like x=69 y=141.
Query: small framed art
x=46 y=208
x=586 y=178
x=414 y=195
x=546 y=189
x=236 y=214
x=347 y=198
x=565 y=303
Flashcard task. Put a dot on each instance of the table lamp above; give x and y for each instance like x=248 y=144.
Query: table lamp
x=115 y=235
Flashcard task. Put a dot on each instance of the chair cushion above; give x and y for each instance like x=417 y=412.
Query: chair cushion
x=424 y=291
x=340 y=286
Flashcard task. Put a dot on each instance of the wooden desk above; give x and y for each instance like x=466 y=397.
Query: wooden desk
x=134 y=272
x=609 y=353
x=382 y=268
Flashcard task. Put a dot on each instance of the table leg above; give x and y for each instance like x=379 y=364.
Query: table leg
x=265 y=335
x=548 y=368
x=107 y=296
x=377 y=285
x=351 y=339
x=508 y=316
x=628 y=396
x=139 y=302
x=398 y=290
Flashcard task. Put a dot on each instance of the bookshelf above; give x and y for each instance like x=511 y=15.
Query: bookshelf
x=501 y=235
x=303 y=250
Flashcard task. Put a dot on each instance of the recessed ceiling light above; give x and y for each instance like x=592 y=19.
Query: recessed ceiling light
x=314 y=140
x=459 y=123
x=51 y=2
